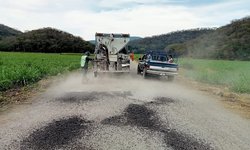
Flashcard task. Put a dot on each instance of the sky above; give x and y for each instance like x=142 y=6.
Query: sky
x=137 y=17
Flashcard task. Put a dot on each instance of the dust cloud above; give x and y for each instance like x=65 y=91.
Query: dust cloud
x=112 y=82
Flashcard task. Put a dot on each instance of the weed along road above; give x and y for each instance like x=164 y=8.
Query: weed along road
x=125 y=112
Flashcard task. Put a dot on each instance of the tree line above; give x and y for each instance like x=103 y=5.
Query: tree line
x=159 y=42
x=46 y=40
x=230 y=42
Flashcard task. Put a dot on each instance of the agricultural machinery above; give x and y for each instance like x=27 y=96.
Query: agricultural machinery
x=111 y=53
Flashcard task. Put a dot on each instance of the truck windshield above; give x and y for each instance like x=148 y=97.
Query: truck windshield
x=159 y=58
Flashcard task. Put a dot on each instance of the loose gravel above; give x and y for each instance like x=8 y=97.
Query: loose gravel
x=80 y=97
x=56 y=134
x=163 y=100
x=141 y=116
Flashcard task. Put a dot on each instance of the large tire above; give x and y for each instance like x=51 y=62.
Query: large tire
x=144 y=73
x=138 y=70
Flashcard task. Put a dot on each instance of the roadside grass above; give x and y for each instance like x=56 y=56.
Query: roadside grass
x=20 y=69
x=234 y=74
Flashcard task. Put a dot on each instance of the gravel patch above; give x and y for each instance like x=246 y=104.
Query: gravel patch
x=56 y=134
x=141 y=116
x=114 y=120
x=180 y=141
x=163 y=100
x=80 y=97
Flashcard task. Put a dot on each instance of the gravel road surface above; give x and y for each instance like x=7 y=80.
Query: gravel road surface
x=125 y=112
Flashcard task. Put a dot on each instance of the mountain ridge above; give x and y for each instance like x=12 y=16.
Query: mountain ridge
x=6 y=31
x=48 y=40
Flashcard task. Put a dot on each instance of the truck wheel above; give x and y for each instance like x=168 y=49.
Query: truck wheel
x=138 y=70
x=170 y=78
x=144 y=73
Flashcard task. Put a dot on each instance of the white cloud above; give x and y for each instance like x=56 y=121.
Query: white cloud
x=139 y=17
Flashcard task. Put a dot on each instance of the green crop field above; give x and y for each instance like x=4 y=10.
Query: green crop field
x=234 y=74
x=19 y=69
x=137 y=56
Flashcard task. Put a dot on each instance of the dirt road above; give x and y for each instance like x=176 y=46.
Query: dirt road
x=125 y=112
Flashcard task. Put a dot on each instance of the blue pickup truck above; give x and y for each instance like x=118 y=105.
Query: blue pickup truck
x=157 y=63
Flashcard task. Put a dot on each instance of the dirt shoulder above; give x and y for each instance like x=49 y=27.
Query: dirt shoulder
x=24 y=95
x=238 y=103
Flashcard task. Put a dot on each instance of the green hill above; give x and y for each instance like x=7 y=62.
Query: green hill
x=132 y=38
x=6 y=31
x=48 y=40
x=159 y=42
x=231 y=41
x=92 y=42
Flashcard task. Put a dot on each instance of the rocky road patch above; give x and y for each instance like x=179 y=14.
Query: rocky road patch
x=141 y=116
x=56 y=134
